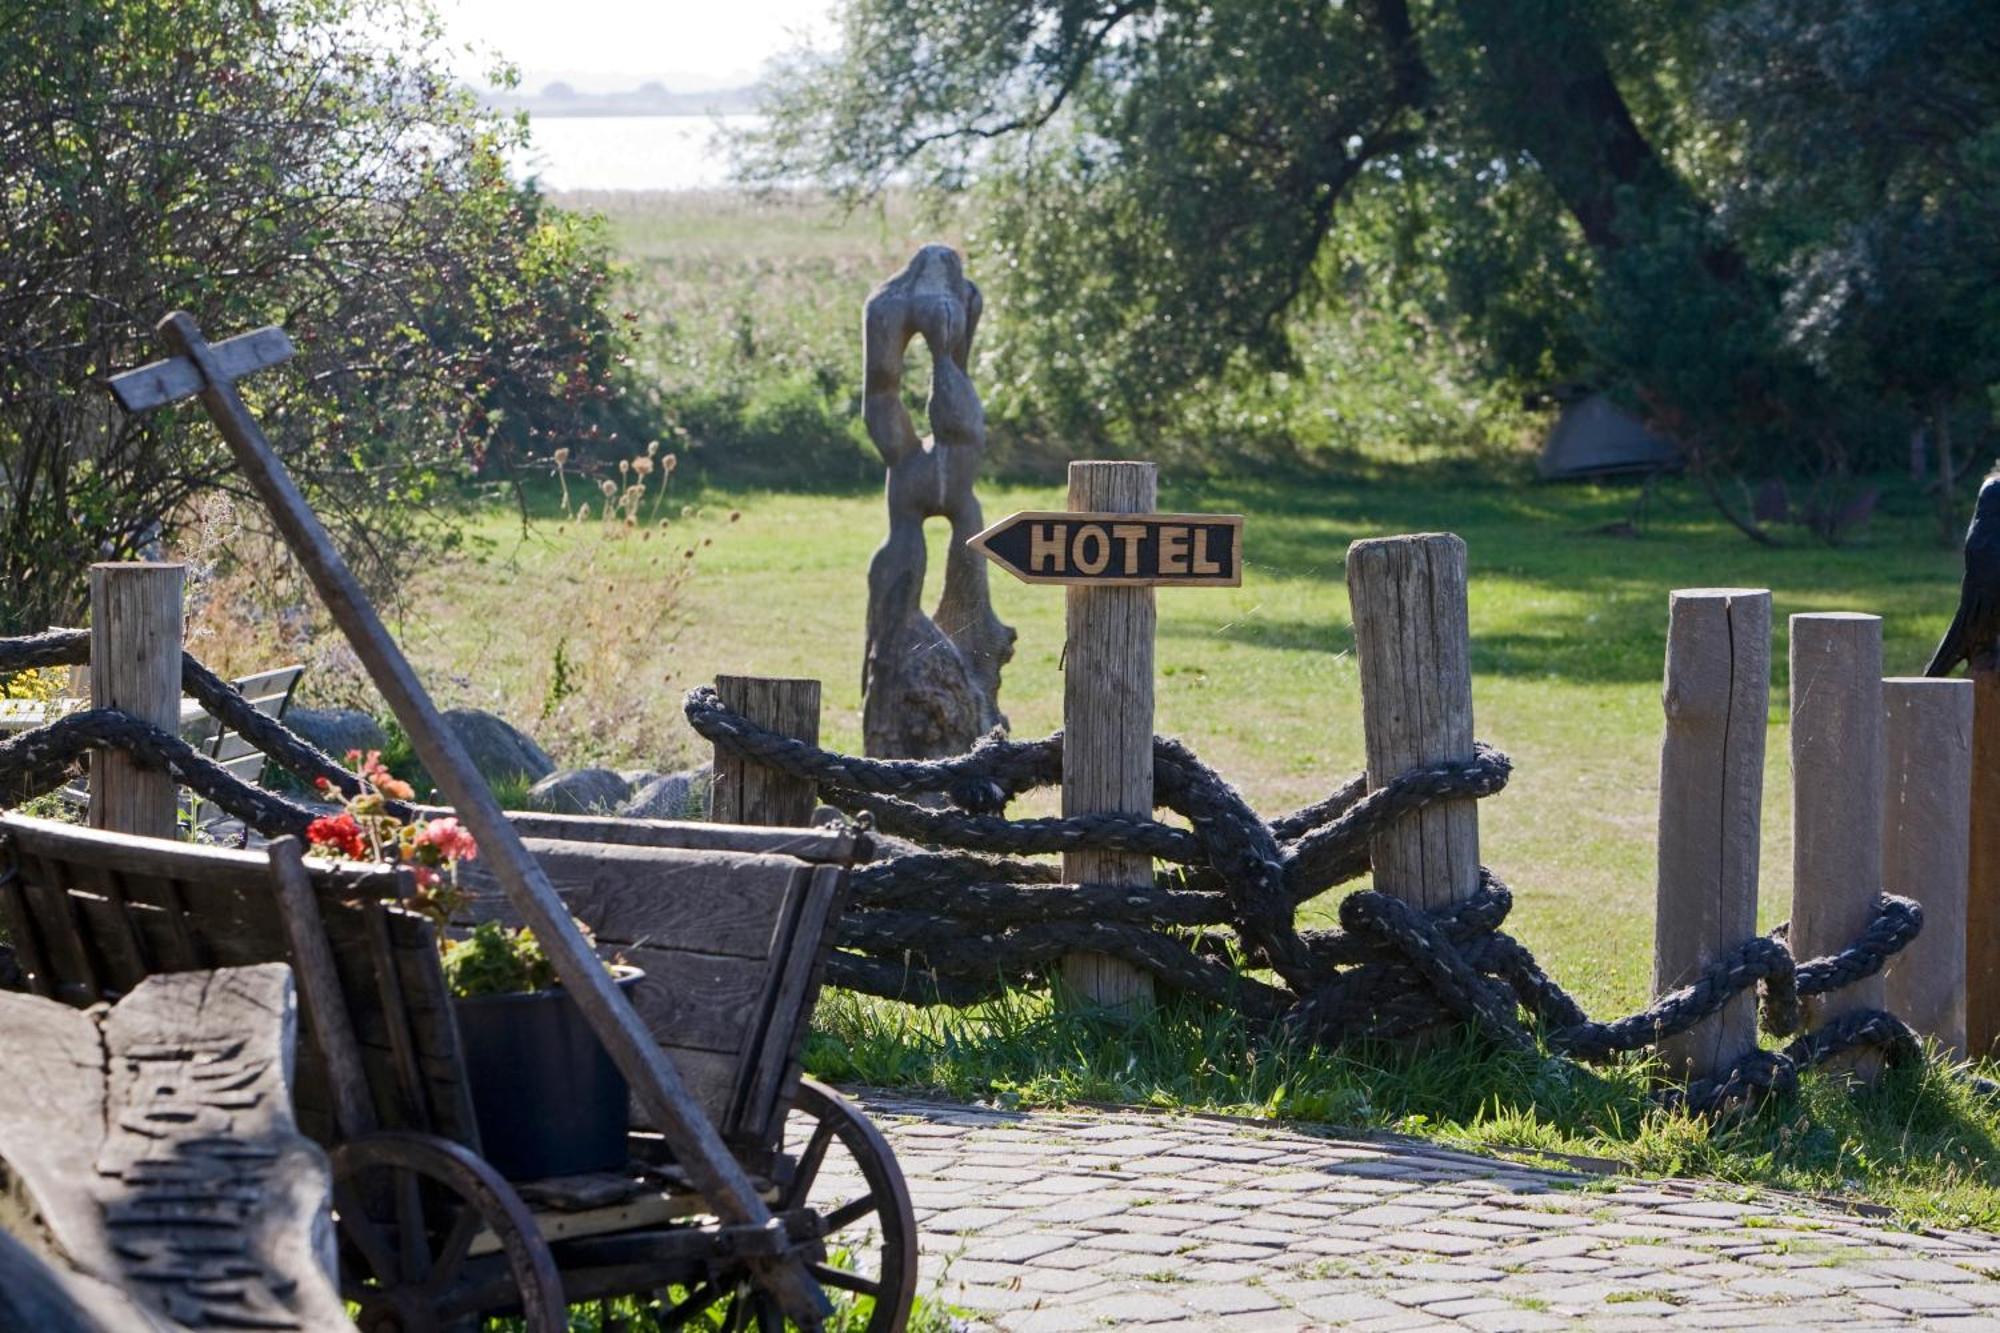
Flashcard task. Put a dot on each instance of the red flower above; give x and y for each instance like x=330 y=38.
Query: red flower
x=341 y=833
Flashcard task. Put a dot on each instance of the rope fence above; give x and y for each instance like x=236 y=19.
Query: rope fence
x=953 y=912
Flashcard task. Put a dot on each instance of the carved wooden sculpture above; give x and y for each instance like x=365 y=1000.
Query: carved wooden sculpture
x=930 y=683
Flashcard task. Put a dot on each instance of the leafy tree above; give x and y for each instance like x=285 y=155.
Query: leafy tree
x=1873 y=136
x=303 y=162
x=1176 y=183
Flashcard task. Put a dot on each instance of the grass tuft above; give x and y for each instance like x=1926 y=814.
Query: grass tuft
x=1923 y=1143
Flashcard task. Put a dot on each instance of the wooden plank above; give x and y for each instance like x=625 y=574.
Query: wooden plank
x=319 y=985
x=117 y=939
x=829 y=843
x=177 y=377
x=724 y=903
x=1926 y=846
x=705 y=1001
x=1108 y=723
x=1836 y=798
x=24 y=932
x=695 y=1142
x=219 y=865
x=59 y=923
x=135 y=644
x=1412 y=644
x=747 y=792
x=711 y=1078
x=798 y=968
x=1717 y=703
x=1982 y=904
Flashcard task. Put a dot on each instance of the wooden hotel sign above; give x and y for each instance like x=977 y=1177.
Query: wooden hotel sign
x=1117 y=550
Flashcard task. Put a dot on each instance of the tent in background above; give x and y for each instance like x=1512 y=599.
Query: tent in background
x=1594 y=437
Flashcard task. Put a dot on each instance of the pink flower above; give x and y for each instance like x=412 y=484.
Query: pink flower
x=451 y=840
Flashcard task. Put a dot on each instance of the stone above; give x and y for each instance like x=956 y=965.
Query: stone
x=336 y=730
x=582 y=791
x=499 y=750
x=682 y=795
x=930 y=684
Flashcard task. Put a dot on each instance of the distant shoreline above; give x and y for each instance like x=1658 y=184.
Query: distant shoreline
x=560 y=102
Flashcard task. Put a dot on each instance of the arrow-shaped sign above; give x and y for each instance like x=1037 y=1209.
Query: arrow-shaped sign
x=1117 y=550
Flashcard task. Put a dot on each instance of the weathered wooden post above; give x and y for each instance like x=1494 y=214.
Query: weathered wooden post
x=745 y=791
x=1717 y=703
x=135 y=653
x=1111 y=550
x=1836 y=797
x=1982 y=904
x=1413 y=644
x=1926 y=841
x=1108 y=721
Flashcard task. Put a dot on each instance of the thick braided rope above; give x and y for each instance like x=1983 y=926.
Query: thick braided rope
x=35 y=762
x=1392 y=969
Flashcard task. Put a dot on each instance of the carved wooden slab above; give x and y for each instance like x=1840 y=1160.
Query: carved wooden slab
x=153 y=1147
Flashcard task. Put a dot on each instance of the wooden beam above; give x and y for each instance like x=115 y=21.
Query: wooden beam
x=1717 y=702
x=1108 y=722
x=1926 y=845
x=1982 y=904
x=746 y=792
x=177 y=377
x=1836 y=798
x=1412 y=642
x=135 y=646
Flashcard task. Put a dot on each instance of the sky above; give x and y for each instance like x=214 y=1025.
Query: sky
x=615 y=45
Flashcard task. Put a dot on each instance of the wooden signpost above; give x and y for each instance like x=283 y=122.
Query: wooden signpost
x=212 y=372
x=1111 y=550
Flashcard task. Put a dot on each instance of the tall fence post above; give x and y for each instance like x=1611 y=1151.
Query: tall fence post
x=135 y=655
x=1926 y=845
x=746 y=792
x=1836 y=798
x=1108 y=722
x=1717 y=702
x=1982 y=904
x=1412 y=641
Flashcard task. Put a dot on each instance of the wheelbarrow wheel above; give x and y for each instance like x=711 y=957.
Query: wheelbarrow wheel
x=409 y=1209
x=847 y=1190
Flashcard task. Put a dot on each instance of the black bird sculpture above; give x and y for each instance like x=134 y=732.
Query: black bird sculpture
x=1975 y=630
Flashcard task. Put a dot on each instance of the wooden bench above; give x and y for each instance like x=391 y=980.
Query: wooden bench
x=733 y=931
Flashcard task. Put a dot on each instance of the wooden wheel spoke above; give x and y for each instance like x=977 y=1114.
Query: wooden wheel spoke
x=810 y=1162
x=457 y=1242
x=364 y=1235
x=411 y=1239
x=698 y=1300
x=829 y=1276
x=739 y=1310
x=851 y=1211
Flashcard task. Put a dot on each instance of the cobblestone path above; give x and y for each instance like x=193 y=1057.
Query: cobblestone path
x=1052 y=1221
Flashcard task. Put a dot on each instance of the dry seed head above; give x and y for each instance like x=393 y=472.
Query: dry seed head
x=562 y=456
x=643 y=465
x=608 y=486
x=652 y=447
x=735 y=514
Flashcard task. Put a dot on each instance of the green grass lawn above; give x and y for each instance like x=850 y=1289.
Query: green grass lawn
x=1568 y=638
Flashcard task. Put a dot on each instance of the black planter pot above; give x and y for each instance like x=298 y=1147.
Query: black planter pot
x=548 y=1099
